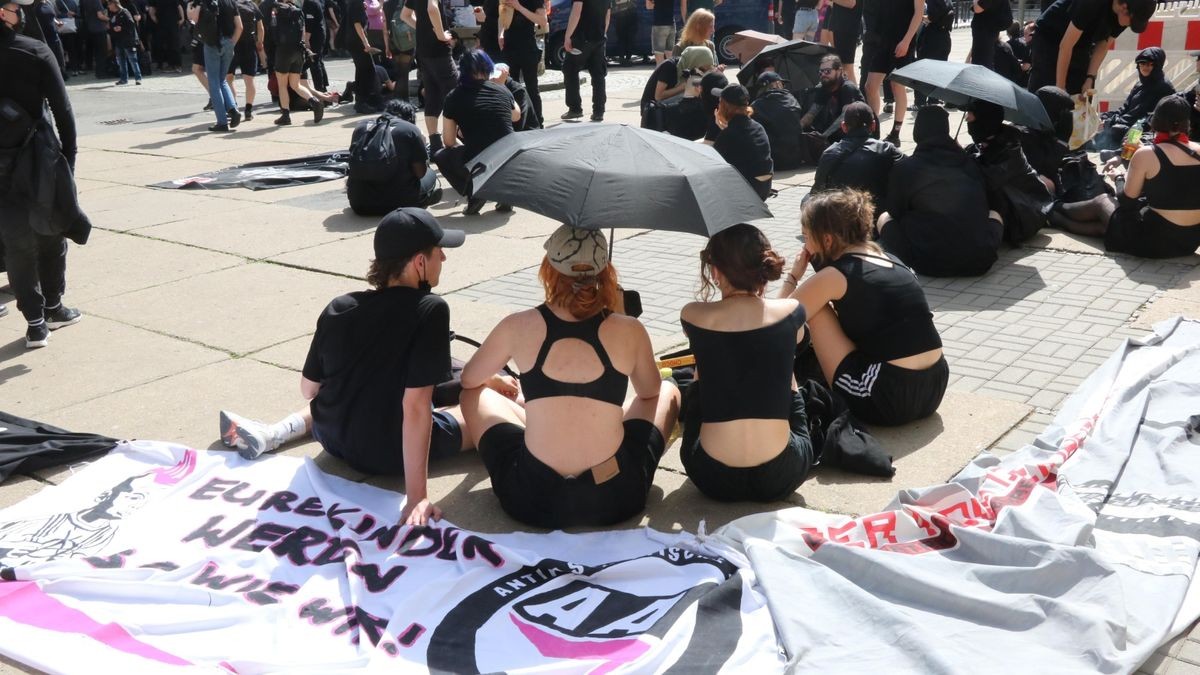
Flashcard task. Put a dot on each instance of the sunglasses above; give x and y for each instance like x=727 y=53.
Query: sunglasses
x=826 y=71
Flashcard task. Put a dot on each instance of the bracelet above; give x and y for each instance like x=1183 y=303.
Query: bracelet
x=792 y=278
x=1090 y=77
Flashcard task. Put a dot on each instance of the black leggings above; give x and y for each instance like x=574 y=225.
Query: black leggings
x=366 y=81
x=523 y=67
x=316 y=68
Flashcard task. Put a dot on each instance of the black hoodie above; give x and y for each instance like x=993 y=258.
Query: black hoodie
x=1148 y=92
x=939 y=178
x=779 y=113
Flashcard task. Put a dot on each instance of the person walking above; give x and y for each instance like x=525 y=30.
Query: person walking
x=586 y=45
x=435 y=61
x=220 y=27
x=246 y=51
x=36 y=262
x=289 y=61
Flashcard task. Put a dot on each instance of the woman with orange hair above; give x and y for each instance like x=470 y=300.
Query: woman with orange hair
x=576 y=454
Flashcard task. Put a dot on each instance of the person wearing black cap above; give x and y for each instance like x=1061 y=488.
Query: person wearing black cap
x=857 y=161
x=372 y=366
x=742 y=141
x=1073 y=37
x=577 y=453
x=937 y=220
x=1152 y=87
x=779 y=113
x=36 y=262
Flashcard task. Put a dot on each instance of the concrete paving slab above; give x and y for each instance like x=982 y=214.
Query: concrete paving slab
x=158 y=207
x=246 y=229
x=149 y=169
x=289 y=355
x=141 y=262
x=90 y=359
x=215 y=309
x=103 y=197
x=16 y=488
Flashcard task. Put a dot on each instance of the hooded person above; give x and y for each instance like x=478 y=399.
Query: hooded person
x=1014 y=189
x=779 y=113
x=1044 y=149
x=936 y=219
x=1151 y=88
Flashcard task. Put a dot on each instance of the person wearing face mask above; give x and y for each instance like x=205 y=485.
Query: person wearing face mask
x=372 y=367
x=871 y=327
x=36 y=262
x=1015 y=190
x=1152 y=87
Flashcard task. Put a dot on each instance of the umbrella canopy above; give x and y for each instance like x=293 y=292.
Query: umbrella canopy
x=961 y=83
x=606 y=175
x=796 y=61
x=746 y=44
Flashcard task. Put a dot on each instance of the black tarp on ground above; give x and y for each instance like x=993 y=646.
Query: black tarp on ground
x=27 y=445
x=267 y=175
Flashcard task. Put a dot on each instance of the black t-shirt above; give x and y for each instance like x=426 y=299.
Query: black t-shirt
x=125 y=38
x=744 y=145
x=368 y=348
x=404 y=188
x=1093 y=17
x=227 y=12
x=483 y=115
x=489 y=30
x=250 y=18
x=520 y=38
x=846 y=21
x=314 y=19
x=667 y=72
x=289 y=28
x=664 y=12
x=428 y=43
x=591 y=27
x=893 y=17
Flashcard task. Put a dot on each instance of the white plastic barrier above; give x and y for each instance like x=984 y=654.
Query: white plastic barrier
x=1175 y=28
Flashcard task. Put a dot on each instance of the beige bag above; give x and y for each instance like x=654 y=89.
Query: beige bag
x=1086 y=121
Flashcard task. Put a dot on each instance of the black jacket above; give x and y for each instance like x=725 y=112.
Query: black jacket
x=30 y=78
x=1190 y=97
x=826 y=106
x=1146 y=93
x=939 y=178
x=857 y=161
x=779 y=113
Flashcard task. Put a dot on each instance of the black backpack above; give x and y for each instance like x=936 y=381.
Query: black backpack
x=373 y=155
x=208 y=25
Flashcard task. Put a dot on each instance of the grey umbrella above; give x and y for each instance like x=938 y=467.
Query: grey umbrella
x=598 y=176
x=796 y=61
x=961 y=83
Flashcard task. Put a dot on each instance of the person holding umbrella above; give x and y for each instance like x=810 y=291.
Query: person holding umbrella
x=576 y=454
x=871 y=327
x=1072 y=38
x=745 y=429
x=743 y=142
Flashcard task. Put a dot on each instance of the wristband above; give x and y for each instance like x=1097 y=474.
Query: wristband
x=792 y=278
x=1090 y=77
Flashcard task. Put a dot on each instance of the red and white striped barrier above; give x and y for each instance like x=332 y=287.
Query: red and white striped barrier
x=1174 y=28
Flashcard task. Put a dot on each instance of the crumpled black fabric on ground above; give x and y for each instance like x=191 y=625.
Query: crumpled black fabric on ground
x=27 y=445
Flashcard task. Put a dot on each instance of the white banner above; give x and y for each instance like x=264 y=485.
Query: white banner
x=159 y=557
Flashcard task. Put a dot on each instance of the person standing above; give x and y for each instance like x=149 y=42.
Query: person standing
x=933 y=42
x=123 y=33
x=662 y=34
x=694 y=5
x=246 y=51
x=435 y=61
x=167 y=17
x=519 y=45
x=897 y=22
x=95 y=20
x=314 y=30
x=220 y=27
x=806 y=20
x=627 y=20
x=487 y=15
x=990 y=17
x=36 y=263
x=68 y=33
x=49 y=22
x=586 y=46
x=1072 y=37
x=846 y=24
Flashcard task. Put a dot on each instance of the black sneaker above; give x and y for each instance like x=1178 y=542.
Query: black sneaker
x=504 y=208
x=207 y=106
x=435 y=144
x=235 y=117
x=219 y=128
x=894 y=137
x=474 y=206
x=61 y=317
x=597 y=117
x=249 y=111
x=318 y=110
x=284 y=120
x=572 y=115
x=37 y=336
x=888 y=108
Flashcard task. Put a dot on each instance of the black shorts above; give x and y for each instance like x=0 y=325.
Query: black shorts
x=439 y=76
x=770 y=481
x=198 y=54
x=883 y=59
x=845 y=45
x=445 y=440
x=878 y=392
x=245 y=58
x=536 y=494
x=1146 y=234
x=289 y=61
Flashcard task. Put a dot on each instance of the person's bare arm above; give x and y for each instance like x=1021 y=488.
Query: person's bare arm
x=918 y=12
x=153 y=14
x=516 y=112
x=309 y=388
x=572 y=24
x=435 y=19
x=607 y=18
x=1135 y=177
x=491 y=356
x=646 y=380
x=409 y=17
x=449 y=132
x=662 y=93
x=260 y=35
x=1065 y=47
x=1098 y=55
x=415 y=433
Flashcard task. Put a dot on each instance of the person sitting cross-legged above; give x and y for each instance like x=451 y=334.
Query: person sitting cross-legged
x=857 y=161
x=412 y=183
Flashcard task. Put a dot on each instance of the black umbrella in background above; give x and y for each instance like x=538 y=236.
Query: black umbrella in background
x=960 y=83
x=796 y=61
x=598 y=176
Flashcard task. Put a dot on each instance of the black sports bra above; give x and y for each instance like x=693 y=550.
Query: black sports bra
x=610 y=387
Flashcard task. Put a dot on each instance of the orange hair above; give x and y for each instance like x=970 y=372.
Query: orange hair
x=583 y=297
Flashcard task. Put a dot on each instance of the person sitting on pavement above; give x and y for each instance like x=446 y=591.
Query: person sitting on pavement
x=937 y=220
x=1193 y=99
x=869 y=321
x=1015 y=189
x=576 y=454
x=529 y=118
x=1157 y=214
x=743 y=142
x=1046 y=149
x=825 y=103
x=779 y=114
x=671 y=100
x=412 y=183
x=745 y=430
x=477 y=112
x=857 y=161
x=1152 y=87
x=372 y=367
x=670 y=81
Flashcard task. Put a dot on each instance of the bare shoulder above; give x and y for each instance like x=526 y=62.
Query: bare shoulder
x=694 y=311
x=778 y=308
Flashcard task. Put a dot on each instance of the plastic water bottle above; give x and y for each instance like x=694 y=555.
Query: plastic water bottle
x=1133 y=141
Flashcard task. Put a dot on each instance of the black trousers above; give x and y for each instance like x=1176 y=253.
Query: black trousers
x=167 y=43
x=934 y=43
x=523 y=67
x=97 y=51
x=452 y=164
x=983 y=45
x=320 y=78
x=37 y=264
x=592 y=59
x=366 y=81
x=627 y=24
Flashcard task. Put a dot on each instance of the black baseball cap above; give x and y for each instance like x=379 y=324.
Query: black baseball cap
x=770 y=77
x=407 y=231
x=734 y=93
x=1140 y=12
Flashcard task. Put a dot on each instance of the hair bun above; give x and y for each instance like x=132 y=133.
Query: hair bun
x=772 y=266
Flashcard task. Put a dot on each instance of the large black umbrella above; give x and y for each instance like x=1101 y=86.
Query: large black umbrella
x=595 y=176
x=796 y=61
x=961 y=83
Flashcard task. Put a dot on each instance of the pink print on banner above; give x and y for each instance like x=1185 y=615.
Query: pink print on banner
x=615 y=653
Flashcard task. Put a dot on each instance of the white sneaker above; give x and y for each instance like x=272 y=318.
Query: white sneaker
x=250 y=437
